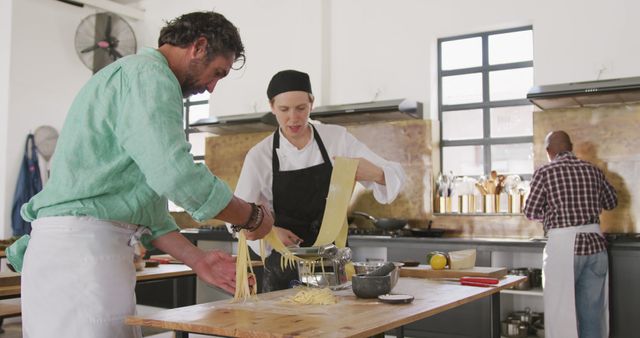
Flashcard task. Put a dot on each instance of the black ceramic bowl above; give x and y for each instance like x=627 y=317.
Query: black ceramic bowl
x=370 y=286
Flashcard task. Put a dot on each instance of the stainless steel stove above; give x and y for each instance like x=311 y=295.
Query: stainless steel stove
x=380 y=232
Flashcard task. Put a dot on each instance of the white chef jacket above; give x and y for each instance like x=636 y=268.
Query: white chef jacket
x=256 y=177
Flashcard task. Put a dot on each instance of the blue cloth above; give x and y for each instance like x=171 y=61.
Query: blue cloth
x=29 y=183
x=590 y=273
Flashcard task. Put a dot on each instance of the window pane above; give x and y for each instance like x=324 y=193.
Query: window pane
x=197 y=141
x=512 y=158
x=511 y=47
x=463 y=160
x=460 y=89
x=510 y=84
x=198 y=112
x=512 y=121
x=462 y=124
x=200 y=97
x=463 y=53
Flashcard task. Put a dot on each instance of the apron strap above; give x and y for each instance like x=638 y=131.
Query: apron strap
x=275 y=162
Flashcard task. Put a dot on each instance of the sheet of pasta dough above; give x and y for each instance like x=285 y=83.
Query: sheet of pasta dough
x=334 y=222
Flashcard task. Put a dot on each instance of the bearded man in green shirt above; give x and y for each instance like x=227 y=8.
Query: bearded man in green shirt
x=121 y=154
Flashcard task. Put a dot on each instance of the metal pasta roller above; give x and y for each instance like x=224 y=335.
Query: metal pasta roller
x=323 y=266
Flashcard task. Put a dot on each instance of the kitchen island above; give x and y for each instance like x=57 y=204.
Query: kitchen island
x=270 y=316
x=481 y=316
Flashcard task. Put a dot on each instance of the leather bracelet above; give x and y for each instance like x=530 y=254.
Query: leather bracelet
x=259 y=219
x=254 y=219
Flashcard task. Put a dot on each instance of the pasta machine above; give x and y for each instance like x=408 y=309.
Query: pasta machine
x=323 y=266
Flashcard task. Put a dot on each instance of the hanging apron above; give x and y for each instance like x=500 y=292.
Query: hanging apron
x=558 y=282
x=29 y=184
x=299 y=198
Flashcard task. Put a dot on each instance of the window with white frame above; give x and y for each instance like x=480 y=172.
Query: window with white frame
x=196 y=107
x=486 y=121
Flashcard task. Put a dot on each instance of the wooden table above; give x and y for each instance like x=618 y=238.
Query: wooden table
x=350 y=317
x=163 y=271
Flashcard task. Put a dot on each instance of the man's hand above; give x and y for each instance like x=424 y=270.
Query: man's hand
x=265 y=226
x=217 y=268
x=287 y=237
x=368 y=171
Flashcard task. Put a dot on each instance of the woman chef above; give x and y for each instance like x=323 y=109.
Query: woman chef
x=291 y=170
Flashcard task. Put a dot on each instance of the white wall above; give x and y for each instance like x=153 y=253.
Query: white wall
x=354 y=50
x=277 y=35
x=45 y=74
x=389 y=47
x=5 y=53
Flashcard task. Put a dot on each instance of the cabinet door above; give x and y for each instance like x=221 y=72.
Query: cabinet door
x=624 y=292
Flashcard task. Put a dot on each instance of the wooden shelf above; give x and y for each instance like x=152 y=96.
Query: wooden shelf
x=536 y=292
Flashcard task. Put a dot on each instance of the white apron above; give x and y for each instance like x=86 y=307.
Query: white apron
x=78 y=279
x=558 y=282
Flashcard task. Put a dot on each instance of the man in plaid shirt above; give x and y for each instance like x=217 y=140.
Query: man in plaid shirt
x=568 y=195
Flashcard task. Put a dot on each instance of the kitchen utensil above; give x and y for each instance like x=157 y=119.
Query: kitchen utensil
x=383 y=270
x=539 y=328
x=513 y=328
x=535 y=276
x=396 y=299
x=334 y=259
x=384 y=223
x=428 y=232
x=522 y=316
x=370 y=286
x=364 y=268
x=481 y=280
x=525 y=285
x=474 y=281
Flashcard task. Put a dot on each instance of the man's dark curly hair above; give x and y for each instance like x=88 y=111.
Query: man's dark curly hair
x=222 y=36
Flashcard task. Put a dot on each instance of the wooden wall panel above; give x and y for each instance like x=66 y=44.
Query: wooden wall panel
x=606 y=136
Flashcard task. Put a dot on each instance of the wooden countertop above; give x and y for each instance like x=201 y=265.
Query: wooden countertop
x=350 y=317
x=163 y=271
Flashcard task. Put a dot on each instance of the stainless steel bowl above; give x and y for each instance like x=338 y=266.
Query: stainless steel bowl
x=366 y=267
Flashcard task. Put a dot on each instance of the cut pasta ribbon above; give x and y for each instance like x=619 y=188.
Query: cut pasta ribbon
x=312 y=296
x=332 y=230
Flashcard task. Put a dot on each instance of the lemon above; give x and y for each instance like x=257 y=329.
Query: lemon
x=438 y=261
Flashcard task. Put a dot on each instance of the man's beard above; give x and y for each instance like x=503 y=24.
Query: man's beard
x=189 y=86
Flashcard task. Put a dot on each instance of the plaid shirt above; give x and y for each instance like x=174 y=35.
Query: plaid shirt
x=571 y=192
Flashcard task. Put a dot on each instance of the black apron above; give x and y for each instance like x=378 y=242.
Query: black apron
x=299 y=198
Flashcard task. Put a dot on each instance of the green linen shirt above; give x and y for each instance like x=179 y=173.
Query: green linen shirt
x=122 y=152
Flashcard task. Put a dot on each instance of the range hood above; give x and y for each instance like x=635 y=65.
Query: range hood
x=346 y=114
x=579 y=94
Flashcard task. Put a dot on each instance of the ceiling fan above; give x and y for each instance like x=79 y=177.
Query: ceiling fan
x=102 y=38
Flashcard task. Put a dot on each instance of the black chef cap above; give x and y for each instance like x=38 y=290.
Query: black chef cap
x=288 y=81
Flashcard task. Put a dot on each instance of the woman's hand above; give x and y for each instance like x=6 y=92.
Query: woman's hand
x=368 y=171
x=287 y=237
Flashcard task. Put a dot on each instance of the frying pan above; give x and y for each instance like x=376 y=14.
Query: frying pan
x=428 y=232
x=384 y=223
